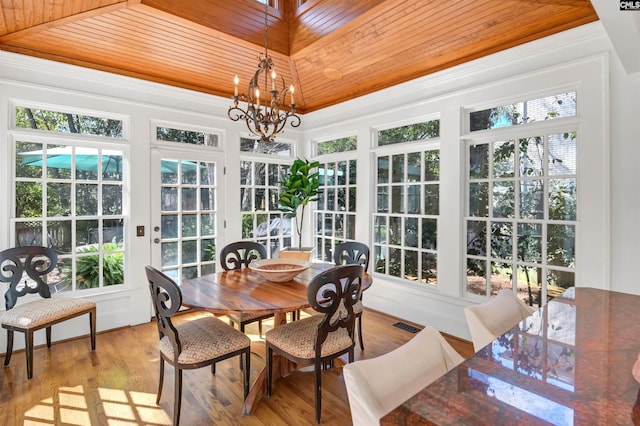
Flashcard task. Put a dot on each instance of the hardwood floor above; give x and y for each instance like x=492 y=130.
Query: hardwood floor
x=117 y=384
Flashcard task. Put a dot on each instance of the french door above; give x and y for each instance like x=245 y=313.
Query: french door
x=186 y=214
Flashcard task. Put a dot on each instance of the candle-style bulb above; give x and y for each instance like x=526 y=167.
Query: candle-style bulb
x=236 y=80
x=291 y=90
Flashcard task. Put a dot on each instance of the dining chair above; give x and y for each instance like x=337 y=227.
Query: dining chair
x=236 y=256
x=194 y=343
x=353 y=252
x=489 y=320
x=24 y=268
x=376 y=386
x=322 y=337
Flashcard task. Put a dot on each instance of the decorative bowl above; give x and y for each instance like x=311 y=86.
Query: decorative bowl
x=279 y=270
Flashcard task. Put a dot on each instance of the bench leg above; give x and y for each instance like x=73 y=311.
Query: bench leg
x=92 y=324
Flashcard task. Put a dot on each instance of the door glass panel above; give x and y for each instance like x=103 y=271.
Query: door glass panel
x=187 y=233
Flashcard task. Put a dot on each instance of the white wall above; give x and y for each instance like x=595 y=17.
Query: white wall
x=53 y=83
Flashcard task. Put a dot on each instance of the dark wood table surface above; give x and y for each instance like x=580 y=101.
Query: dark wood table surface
x=244 y=290
x=570 y=363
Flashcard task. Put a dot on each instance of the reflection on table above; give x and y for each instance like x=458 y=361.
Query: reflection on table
x=569 y=363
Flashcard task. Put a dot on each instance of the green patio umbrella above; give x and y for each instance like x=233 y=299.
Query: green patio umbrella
x=87 y=159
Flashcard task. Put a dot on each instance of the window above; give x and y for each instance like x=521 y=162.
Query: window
x=412 y=132
x=259 y=195
x=335 y=214
x=337 y=145
x=405 y=225
x=192 y=137
x=70 y=197
x=522 y=214
x=78 y=214
x=54 y=121
x=547 y=108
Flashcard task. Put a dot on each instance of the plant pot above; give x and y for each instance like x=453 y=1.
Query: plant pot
x=305 y=253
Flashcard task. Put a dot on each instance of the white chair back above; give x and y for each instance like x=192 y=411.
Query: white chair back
x=378 y=385
x=489 y=320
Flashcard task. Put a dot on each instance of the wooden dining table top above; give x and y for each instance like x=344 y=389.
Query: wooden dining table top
x=244 y=290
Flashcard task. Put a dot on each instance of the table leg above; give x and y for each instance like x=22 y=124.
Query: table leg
x=281 y=367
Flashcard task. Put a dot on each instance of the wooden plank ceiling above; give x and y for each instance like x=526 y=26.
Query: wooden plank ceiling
x=330 y=50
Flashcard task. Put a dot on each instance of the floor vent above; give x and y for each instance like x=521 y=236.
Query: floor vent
x=407 y=327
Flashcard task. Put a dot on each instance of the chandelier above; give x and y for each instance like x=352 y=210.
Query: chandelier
x=265 y=117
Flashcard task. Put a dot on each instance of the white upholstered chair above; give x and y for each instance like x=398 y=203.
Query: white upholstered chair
x=489 y=320
x=378 y=385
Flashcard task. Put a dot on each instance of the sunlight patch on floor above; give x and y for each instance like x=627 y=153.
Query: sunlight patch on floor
x=69 y=406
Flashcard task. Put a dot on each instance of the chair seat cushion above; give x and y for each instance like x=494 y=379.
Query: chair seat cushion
x=358 y=307
x=204 y=339
x=39 y=313
x=248 y=317
x=298 y=338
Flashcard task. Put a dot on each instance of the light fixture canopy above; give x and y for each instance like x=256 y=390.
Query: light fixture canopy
x=265 y=117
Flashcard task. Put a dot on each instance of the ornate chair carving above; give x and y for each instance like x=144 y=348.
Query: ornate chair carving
x=192 y=344
x=320 y=338
x=36 y=262
x=236 y=256
x=348 y=253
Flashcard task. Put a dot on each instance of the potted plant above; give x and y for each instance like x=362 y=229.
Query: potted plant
x=298 y=188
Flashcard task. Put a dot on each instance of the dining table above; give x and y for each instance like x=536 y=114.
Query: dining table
x=245 y=290
x=575 y=361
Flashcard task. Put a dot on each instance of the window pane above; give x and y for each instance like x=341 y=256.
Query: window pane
x=502 y=240
x=35 y=118
x=531 y=199
x=561 y=245
x=563 y=199
x=409 y=133
x=279 y=149
x=529 y=242
x=476 y=238
x=550 y=107
x=478 y=161
x=338 y=145
x=503 y=199
x=478 y=198
x=187 y=136
x=476 y=277
x=503 y=159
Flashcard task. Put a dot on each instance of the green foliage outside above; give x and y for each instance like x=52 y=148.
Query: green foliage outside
x=409 y=133
x=338 y=145
x=54 y=121
x=88 y=267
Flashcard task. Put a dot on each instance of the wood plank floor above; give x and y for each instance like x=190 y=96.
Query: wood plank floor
x=117 y=384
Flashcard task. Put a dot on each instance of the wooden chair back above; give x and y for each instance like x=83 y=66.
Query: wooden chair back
x=166 y=299
x=240 y=254
x=352 y=252
x=34 y=261
x=333 y=293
